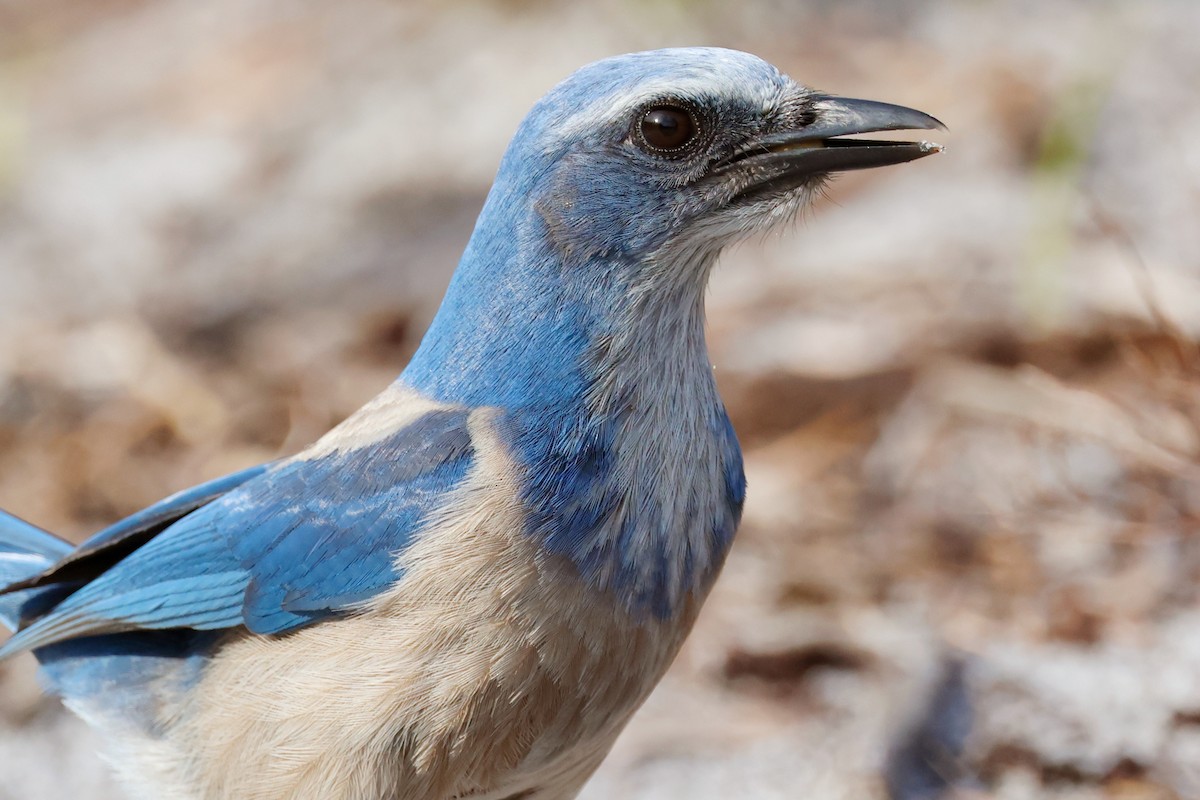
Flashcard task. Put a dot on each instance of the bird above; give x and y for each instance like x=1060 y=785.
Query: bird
x=467 y=587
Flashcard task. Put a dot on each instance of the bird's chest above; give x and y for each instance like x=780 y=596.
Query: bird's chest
x=645 y=502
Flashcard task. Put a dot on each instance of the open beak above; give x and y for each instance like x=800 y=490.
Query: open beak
x=784 y=161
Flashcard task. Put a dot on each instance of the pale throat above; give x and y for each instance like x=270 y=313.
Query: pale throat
x=673 y=451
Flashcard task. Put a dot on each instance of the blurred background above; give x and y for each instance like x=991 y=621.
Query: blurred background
x=968 y=388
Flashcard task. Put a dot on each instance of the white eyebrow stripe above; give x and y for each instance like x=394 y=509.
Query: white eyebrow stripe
x=604 y=112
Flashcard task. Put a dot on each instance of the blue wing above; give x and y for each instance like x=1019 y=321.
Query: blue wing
x=106 y=548
x=299 y=541
x=20 y=537
x=25 y=550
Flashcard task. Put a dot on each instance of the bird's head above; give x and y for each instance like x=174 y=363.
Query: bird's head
x=685 y=150
x=616 y=194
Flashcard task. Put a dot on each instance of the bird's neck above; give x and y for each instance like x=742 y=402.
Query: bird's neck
x=631 y=469
x=512 y=327
x=526 y=319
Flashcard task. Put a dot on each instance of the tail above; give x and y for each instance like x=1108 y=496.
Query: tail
x=105 y=677
x=25 y=550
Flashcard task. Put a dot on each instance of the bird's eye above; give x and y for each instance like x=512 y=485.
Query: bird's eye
x=666 y=129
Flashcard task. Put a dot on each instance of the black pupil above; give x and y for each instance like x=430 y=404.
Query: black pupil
x=667 y=128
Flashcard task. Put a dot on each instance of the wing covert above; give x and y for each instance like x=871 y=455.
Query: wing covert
x=298 y=542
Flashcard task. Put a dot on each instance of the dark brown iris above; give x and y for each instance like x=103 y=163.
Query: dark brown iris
x=667 y=128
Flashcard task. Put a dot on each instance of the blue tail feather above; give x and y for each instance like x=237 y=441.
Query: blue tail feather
x=110 y=672
x=25 y=551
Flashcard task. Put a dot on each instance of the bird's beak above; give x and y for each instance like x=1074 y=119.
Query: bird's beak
x=784 y=161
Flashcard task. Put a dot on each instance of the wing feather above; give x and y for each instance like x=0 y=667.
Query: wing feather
x=292 y=544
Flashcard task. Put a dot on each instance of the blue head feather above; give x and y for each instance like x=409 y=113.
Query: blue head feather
x=575 y=216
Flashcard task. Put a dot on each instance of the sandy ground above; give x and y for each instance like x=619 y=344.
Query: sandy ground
x=968 y=389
